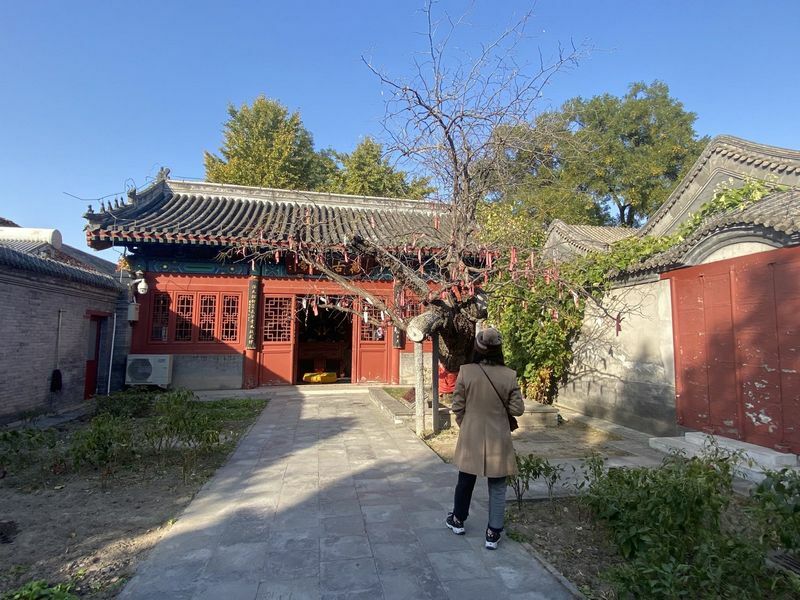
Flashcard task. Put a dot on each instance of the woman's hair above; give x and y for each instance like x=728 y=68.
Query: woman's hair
x=493 y=355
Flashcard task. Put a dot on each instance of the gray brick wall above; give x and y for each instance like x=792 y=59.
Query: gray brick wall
x=30 y=305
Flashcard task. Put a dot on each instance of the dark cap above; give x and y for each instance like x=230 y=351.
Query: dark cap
x=488 y=338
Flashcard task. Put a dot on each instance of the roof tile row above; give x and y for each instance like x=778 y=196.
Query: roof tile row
x=189 y=212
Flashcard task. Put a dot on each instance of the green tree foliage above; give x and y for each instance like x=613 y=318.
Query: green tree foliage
x=266 y=146
x=606 y=160
x=366 y=172
x=637 y=147
x=529 y=183
x=541 y=322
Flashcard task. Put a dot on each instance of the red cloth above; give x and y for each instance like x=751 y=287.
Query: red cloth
x=447 y=380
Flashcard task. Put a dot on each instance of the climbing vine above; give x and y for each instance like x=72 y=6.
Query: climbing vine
x=541 y=322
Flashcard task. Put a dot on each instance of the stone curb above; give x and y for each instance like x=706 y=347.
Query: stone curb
x=553 y=571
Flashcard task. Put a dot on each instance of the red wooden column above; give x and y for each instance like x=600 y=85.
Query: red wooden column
x=252 y=339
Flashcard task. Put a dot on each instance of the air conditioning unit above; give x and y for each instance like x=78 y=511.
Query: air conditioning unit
x=149 y=369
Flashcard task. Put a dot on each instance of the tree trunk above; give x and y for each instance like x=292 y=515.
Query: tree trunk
x=456 y=334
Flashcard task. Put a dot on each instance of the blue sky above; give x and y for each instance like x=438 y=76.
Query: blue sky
x=99 y=95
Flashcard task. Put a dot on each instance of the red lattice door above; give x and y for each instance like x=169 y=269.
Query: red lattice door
x=276 y=363
x=372 y=345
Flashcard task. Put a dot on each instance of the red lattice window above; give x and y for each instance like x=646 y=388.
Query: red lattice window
x=411 y=309
x=373 y=330
x=277 y=319
x=230 y=318
x=208 y=317
x=184 y=313
x=160 y=323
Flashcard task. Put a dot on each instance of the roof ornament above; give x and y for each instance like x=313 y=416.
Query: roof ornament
x=163 y=174
x=116 y=202
x=90 y=210
x=132 y=195
x=102 y=206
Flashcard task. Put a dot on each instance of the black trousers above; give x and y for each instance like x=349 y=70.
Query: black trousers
x=463 y=498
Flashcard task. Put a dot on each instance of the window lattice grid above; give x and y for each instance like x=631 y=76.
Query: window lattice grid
x=277 y=319
x=230 y=318
x=208 y=317
x=184 y=313
x=411 y=309
x=373 y=330
x=160 y=321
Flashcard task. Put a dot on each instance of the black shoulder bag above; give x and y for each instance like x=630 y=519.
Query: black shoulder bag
x=512 y=420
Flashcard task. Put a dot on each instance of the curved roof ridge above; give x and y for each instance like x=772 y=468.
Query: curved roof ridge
x=778 y=212
x=299 y=196
x=737 y=149
x=47 y=266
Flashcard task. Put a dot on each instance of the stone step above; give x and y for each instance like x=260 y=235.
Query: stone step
x=672 y=444
x=756 y=459
x=765 y=457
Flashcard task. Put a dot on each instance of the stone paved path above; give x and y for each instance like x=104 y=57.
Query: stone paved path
x=326 y=498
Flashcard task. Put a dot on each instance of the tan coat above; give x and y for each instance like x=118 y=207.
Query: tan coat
x=484 y=441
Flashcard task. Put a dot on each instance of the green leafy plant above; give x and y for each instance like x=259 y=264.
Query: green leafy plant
x=520 y=483
x=22 y=447
x=591 y=469
x=185 y=425
x=133 y=403
x=41 y=590
x=540 y=468
x=540 y=320
x=529 y=468
x=667 y=524
x=776 y=507
x=103 y=444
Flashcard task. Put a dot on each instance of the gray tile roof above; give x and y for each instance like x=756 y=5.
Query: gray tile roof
x=185 y=212
x=26 y=246
x=778 y=212
x=593 y=237
x=564 y=241
x=736 y=157
x=724 y=159
x=16 y=259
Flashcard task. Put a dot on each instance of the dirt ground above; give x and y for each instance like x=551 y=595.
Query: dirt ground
x=561 y=532
x=73 y=527
x=571 y=439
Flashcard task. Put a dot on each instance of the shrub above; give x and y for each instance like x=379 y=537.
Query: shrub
x=22 y=447
x=777 y=508
x=666 y=522
x=666 y=506
x=520 y=482
x=532 y=467
x=182 y=423
x=41 y=590
x=133 y=403
x=105 y=442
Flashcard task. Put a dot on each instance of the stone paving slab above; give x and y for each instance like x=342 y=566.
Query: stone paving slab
x=326 y=498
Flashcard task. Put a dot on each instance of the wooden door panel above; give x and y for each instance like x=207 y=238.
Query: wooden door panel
x=276 y=360
x=738 y=368
x=372 y=346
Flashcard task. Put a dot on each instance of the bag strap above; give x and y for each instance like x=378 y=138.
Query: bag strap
x=494 y=388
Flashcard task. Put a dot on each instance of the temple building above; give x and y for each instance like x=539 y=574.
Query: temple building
x=227 y=319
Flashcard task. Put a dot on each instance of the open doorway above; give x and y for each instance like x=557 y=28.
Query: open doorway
x=324 y=338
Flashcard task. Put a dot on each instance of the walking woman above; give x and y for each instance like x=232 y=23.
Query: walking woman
x=486 y=394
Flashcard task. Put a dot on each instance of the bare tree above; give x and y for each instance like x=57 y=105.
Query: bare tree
x=448 y=120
